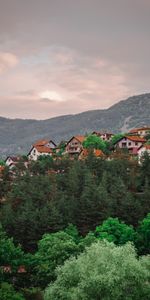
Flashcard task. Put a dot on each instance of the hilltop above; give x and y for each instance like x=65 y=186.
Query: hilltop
x=17 y=135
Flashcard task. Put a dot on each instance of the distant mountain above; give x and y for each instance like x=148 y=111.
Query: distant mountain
x=16 y=136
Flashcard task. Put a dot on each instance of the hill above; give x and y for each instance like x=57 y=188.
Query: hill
x=17 y=135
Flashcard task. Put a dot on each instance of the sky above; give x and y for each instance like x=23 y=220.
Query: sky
x=61 y=57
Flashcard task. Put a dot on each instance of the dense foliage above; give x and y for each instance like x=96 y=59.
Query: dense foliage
x=55 y=209
x=95 y=142
x=104 y=272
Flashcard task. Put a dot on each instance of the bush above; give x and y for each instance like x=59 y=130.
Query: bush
x=7 y=292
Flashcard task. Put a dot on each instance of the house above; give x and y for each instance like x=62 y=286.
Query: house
x=142 y=131
x=143 y=149
x=41 y=147
x=74 y=145
x=105 y=136
x=46 y=143
x=11 y=161
x=85 y=152
x=131 y=143
x=8 y=269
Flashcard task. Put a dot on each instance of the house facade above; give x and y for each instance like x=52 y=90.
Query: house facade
x=42 y=147
x=105 y=136
x=132 y=143
x=74 y=145
x=143 y=131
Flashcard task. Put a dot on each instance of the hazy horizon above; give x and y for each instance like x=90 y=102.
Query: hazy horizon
x=63 y=115
x=65 y=57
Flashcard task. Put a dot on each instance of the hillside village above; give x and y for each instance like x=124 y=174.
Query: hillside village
x=132 y=144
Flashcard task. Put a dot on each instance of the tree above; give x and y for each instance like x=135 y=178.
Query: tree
x=73 y=232
x=30 y=209
x=143 y=239
x=9 y=253
x=88 y=205
x=2 y=162
x=104 y=271
x=147 y=136
x=42 y=165
x=95 y=142
x=11 y=258
x=4 y=182
x=115 y=231
x=145 y=167
x=53 y=250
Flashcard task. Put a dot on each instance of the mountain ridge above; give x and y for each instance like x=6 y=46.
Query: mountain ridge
x=17 y=135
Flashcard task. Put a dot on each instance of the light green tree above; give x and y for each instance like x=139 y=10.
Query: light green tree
x=95 y=142
x=104 y=271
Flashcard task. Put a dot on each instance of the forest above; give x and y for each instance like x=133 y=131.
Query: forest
x=75 y=230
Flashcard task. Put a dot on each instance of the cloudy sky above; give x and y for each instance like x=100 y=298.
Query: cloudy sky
x=66 y=56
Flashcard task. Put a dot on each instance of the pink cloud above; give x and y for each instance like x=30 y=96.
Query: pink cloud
x=83 y=82
x=7 y=61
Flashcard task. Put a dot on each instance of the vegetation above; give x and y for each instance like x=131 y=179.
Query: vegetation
x=95 y=142
x=103 y=271
x=61 y=219
x=115 y=231
x=7 y=292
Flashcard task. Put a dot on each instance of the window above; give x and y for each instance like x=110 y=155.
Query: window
x=124 y=145
x=129 y=143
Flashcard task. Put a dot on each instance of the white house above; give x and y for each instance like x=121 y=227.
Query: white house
x=11 y=161
x=41 y=147
x=105 y=136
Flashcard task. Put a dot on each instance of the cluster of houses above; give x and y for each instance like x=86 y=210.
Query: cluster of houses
x=134 y=142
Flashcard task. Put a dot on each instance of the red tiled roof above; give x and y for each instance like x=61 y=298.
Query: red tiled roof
x=43 y=149
x=22 y=269
x=134 y=130
x=135 y=138
x=97 y=152
x=80 y=138
x=41 y=143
